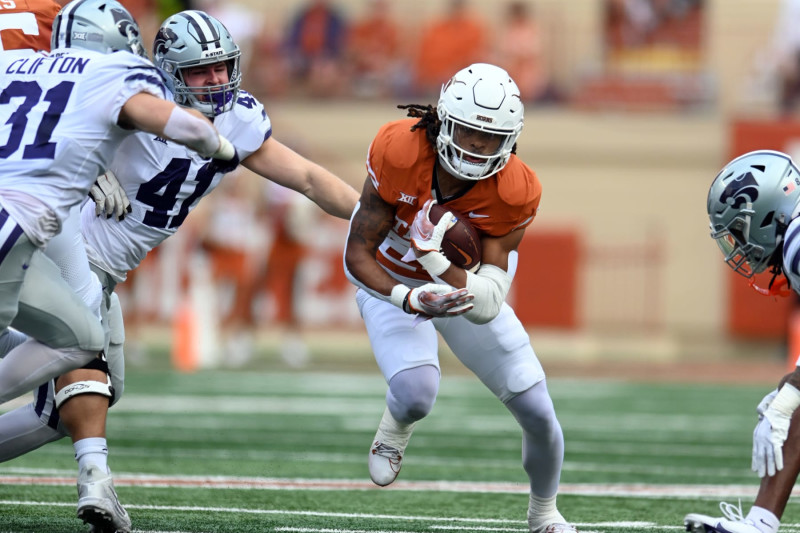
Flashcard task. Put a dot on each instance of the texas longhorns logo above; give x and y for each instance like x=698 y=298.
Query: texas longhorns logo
x=739 y=191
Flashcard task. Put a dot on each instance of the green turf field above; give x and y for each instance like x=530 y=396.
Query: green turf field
x=286 y=451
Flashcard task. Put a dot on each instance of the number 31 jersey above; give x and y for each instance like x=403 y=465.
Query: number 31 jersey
x=58 y=126
x=164 y=181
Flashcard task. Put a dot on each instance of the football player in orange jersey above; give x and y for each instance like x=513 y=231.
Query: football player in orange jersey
x=460 y=154
x=27 y=24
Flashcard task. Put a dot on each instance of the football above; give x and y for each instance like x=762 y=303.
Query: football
x=461 y=243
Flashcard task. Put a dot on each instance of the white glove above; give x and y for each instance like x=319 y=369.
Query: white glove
x=433 y=300
x=772 y=430
x=424 y=235
x=109 y=197
x=768 y=439
x=764 y=403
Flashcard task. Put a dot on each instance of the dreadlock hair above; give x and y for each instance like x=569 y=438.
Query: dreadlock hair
x=428 y=119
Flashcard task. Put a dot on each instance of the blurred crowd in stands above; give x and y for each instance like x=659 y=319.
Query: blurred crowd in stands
x=323 y=50
x=378 y=49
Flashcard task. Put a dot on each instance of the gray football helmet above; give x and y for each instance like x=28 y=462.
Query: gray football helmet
x=750 y=204
x=480 y=97
x=101 y=25
x=191 y=39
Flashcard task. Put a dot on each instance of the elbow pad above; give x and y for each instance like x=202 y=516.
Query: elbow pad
x=490 y=285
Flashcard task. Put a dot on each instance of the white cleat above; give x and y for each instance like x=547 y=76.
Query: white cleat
x=733 y=522
x=388 y=448
x=560 y=527
x=384 y=463
x=700 y=523
x=552 y=522
x=98 y=504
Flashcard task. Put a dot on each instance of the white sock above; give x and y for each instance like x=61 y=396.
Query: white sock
x=92 y=451
x=392 y=432
x=543 y=511
x=764 y=520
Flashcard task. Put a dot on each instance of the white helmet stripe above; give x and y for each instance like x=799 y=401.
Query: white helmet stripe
x=209 y=38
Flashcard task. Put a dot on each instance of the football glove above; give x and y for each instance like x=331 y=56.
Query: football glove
x=765 y=402
x=225 y=159
x=436 y=300
x=109 y=197
x=426 y=236
x=772 y=430
x=768 y=439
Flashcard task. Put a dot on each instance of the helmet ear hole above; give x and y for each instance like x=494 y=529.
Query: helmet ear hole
x=767 y=219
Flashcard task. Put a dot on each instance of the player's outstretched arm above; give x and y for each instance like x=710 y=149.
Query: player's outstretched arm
x=185 y=126
x=279 y=163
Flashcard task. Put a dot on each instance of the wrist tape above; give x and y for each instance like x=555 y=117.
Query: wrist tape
x=786 y=401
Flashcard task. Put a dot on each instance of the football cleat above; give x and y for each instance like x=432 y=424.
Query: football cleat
x=388 y=447
x=550 y=522
x=733 y=522
x=384 y=463
x=98 y=504
x=557 y=527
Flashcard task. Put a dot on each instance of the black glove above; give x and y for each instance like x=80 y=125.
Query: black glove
x=220 y=165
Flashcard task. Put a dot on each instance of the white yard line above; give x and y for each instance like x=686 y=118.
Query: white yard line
x=643 y=490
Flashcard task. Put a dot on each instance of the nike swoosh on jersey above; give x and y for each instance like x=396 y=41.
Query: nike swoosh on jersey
x=473 y=214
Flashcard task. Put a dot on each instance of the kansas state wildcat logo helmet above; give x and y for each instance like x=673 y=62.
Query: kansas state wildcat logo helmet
x=101 y=25
x=194 y=39
x=480 y=97
x=750 y=203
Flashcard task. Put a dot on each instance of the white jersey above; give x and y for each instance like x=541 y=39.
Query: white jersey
x=791 y=254
x=164 y=181
x=58 y=128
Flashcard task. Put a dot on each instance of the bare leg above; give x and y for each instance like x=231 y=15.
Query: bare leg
x=84 y=415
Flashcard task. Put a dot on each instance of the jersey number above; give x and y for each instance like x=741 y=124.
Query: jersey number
x=161 y=193
x=41 y=147
x=25 y=22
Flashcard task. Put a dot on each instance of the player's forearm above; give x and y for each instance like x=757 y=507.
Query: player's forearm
x=333 y=195
x=363 y=271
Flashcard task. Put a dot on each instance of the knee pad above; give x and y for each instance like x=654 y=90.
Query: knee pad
x=412 y=393
x=83 y=387
x=88 y=386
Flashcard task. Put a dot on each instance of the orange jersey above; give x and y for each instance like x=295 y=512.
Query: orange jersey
x=26 y=24
x=401 y=165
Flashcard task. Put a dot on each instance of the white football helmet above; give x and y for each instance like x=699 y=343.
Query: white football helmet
x=191 y=39
x=101 y=25
x=750 y=204
x=480 y=105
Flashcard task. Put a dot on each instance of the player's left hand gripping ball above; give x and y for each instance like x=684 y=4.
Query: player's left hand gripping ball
x=425 y=235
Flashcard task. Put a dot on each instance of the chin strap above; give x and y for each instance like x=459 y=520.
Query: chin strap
x=780 y=288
